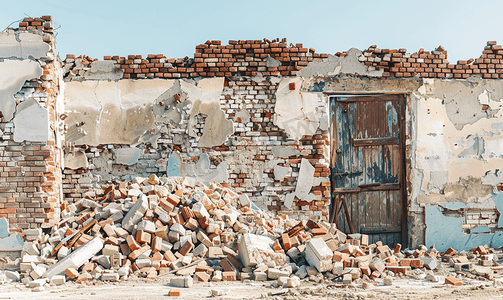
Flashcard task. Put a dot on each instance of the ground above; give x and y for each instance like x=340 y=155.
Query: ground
x=139 y=290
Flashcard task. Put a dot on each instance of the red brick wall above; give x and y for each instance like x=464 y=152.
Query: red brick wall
x=30 y=173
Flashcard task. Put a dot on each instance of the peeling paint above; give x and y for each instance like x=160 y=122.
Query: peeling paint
x=444 y=232
x=127 y=156
x=453 y=150
x=112 y=112
x=103 y=70
x=295 y=110
x=22 y=45
x=456 y=151
x=463 y=99
x=467 y=190
x=334 y=65
x=13 y=74
x=76 y=160
x=31 y=122
x=216 y=128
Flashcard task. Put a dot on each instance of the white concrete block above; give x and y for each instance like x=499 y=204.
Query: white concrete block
x=58 y=279
x=13 y=275
x=244 y=200
x=276 y=273
x=177 y=228
x=260 y=276
x=37 y=283
x=145 y=262
x=147 y=226
x=199 y=210
x=200 y=250
x=31 y=248
x=63 y=252
x=182 y=281
x=110 y=277
x=318 y=254
x=77 y=258
x=135 y=213
x=252 y=247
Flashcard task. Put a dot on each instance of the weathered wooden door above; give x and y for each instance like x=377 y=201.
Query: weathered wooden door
x=367 y=148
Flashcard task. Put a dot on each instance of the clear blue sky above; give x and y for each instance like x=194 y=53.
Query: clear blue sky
x=174 y=28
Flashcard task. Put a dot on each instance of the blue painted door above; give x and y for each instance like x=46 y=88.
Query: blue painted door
x=367 y=157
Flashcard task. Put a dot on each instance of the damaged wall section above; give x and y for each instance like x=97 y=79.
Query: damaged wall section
x=30 y=135
x=252 y=115
x=213 y=129
x=457 y=160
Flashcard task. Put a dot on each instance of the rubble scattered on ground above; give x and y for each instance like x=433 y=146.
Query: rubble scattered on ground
x=153 y=227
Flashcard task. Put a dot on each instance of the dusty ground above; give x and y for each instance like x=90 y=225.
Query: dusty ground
x=139 y=289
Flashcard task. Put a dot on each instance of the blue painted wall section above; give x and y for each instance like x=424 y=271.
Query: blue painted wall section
x=445 y=232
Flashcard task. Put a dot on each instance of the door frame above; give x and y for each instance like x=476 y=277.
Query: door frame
x=405 y=161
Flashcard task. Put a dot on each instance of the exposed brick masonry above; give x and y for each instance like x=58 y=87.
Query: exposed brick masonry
x=30 y=173
x=247 y=58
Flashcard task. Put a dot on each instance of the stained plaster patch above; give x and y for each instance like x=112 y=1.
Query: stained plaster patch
x=13 y=74
x=103 y=70
x=112 y=112
x=295 y=111
x=205 y=99
x=168 y=109
x=285 y=151
x=465 y=144
x=127 y=156
x=22 y=45
x=242 y=116
x=76 y=160
x=334 y=65
x=280 y=172
x=31 y=122
x=305 y=180
x=464 y=99
x=216 y=128
x=465 y=191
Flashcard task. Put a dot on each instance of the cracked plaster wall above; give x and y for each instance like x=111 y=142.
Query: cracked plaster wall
x=245 y=152
x=133 y=127
x=456 y=157
x=296 y=111
x=13 y=74
x=455 y=126
x=30 y=97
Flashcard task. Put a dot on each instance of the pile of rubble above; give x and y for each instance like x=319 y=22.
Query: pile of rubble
x=172 y=225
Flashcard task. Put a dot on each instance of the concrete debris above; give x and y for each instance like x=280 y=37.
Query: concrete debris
x=180 y=226
x=319 y=255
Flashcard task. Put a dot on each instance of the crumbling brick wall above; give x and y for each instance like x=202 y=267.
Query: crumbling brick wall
x=245 y=64
x=248 y=154
x=250 y=80
x=30 y=178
